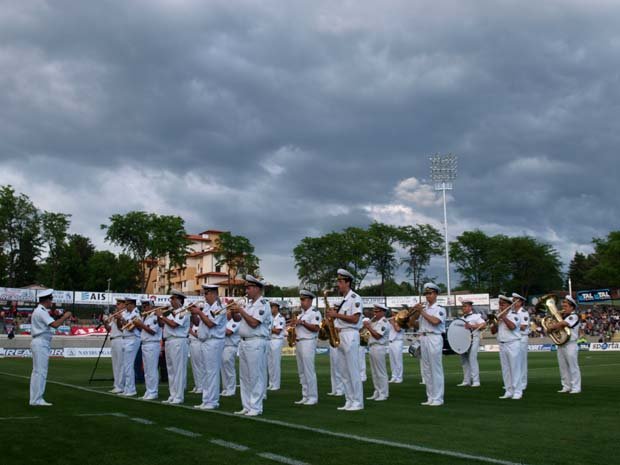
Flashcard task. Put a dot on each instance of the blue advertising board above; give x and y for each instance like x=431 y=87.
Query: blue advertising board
x=595 y=295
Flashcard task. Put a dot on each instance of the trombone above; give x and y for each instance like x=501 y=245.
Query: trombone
x=493 y=318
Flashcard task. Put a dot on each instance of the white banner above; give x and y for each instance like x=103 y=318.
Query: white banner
x=92 y=298
x=21 y=295
x=87 y=352
x=63 y=297
x=605 y=346
x=477 y=299
x=26 y=353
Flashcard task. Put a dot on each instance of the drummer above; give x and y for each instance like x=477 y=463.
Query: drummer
x=469 y=360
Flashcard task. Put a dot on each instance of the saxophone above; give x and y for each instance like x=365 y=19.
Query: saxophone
x=548 y=303
x=328 y=329
x=291 y=332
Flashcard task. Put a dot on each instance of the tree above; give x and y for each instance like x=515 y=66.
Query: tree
x=420 y=242
x=579 y=268
x=605 y=270
x=73 y=262
x=535 y=266
x=237 y=254
x=54 y=235
x=20 y=238
x=171 y=240
x=123 y=272
x=381 y=255
x=315 y=267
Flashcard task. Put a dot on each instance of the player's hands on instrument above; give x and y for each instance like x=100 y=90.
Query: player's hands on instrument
x=332 y=312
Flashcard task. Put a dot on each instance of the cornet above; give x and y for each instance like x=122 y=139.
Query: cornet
x=240 y=302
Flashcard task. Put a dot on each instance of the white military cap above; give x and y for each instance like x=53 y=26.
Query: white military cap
x=147 y=302
x=305 y=293
x=467 y=301
x=518 y=296
x=46 y=293
x=571 y=300
x=345 y=273
x=275 y=302
x=382 y=307
x=120 y=299
x=505 y=298
x=130 y=299
x=178 y=293
x=210 y=287
x=252 y=280
x=431 y=286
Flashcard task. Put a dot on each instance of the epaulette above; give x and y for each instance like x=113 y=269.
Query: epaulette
x=263 y=301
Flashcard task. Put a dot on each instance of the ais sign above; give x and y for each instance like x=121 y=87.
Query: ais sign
x=596 y=295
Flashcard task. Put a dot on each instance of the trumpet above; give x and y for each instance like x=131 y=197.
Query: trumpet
x=116 y=314
x=493 y=319
x=365 y=333
x=240 y=302
x=130 y=325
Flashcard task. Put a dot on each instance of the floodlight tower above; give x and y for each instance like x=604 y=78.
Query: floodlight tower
x=443 y=172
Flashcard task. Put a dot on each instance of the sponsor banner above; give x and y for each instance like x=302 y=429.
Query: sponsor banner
x=595 y=295
x=63 y=297
x=540 y=347
x=26 y=353
x=92 y=298
x=21 y=295
x=87 y=331
x=491 y=348
x=477 y=299
x=399 y=301
x=494 y=304
x=605 y=347
x=87 y=352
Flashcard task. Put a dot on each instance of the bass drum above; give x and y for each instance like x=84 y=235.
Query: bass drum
x=459 y=337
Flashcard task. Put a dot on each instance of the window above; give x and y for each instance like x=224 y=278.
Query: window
x=218 y=268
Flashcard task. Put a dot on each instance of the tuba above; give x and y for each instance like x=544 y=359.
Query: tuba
x=548 y=304
x=328 y=329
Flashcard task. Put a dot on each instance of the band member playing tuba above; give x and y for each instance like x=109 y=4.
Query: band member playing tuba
x=274 y=351
x=307 y=329
x=348 y=320
x=469 y=360
x=379 y=329
x=432 y=325
x=506 y=327
x=568 y=352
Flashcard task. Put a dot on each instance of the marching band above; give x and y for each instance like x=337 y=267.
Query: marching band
x=254 y=329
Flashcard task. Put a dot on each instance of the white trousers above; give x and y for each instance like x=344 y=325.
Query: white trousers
x=304 y=353
x=523 y=365
x=228 y=371
x=362 y=362
x=431 y=347
x=176 y=363
x=116 y=346
x=40 y=348
x=273 y=362
x=396 y=359
x=211 y=354
x=253 y=373
x=569 y=366
x=378 y=368
x=349 y=368
x=469 y=362
x=150 y=359
x=509 y=353
x=131 y=345
x=336 y=378
x=196 y=359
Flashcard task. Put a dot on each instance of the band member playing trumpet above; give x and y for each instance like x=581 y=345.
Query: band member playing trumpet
x=509 y=337
x=176 y=329
x=195 y=354
x=131 y=345
x=469 y=360
x=151 y=346
x=396 y=351
x=274 y=351
x=432 y=325
x=211 y=332
x=307 y=329
x=254 y=331
x=116 y=344
x=568 y=352
x=379 y=329
x=229 y=355
x=524 y=330
x=41 y=330
x=348 y=320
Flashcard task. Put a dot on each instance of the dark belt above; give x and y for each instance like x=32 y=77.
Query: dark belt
x=429 y=334
x=252 y=337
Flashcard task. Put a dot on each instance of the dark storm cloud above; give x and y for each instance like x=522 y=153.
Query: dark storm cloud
x=279 y=120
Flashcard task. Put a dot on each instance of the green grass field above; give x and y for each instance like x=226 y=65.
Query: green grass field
x=543 y=428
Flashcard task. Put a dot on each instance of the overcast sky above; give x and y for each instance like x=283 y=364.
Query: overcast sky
x=278 y=120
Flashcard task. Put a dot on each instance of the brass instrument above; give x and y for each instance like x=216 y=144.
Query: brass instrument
x=116 y=314
x=365 y=333
x=291 y=332
x=130 y=325
x=409 y=316
x=548 y=304
x=240 y=302
x=328 y=329
x=493 y=319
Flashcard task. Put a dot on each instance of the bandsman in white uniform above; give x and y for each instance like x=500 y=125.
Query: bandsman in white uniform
x=151 y=348
x=363 y=349
x=379 y=328
x=41 y=331
x=570 y=374
x=131 y=345
x=274 y=351
x=469 y=360
x=307 y=330
x=176 y=331
x=116 y=345
x=336 y=379
x=254 y=331
x=195 y=355
x=229 y=355
x=396 y=351
x=211 y=332
x=509 y=338
x=348 y=320
x=524 y=329
x=432 y=326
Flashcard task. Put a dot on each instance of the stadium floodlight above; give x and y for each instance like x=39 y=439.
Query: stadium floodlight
x=443 y=172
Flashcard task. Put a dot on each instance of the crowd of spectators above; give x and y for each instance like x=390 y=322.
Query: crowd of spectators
x=600 y=321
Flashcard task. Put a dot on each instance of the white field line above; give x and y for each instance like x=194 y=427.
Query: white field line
x=296 y=426
x=144 y=421
x=183 y=432
x=18 y=418
x=229 y=445
x=111 y=414
x=280 y=458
